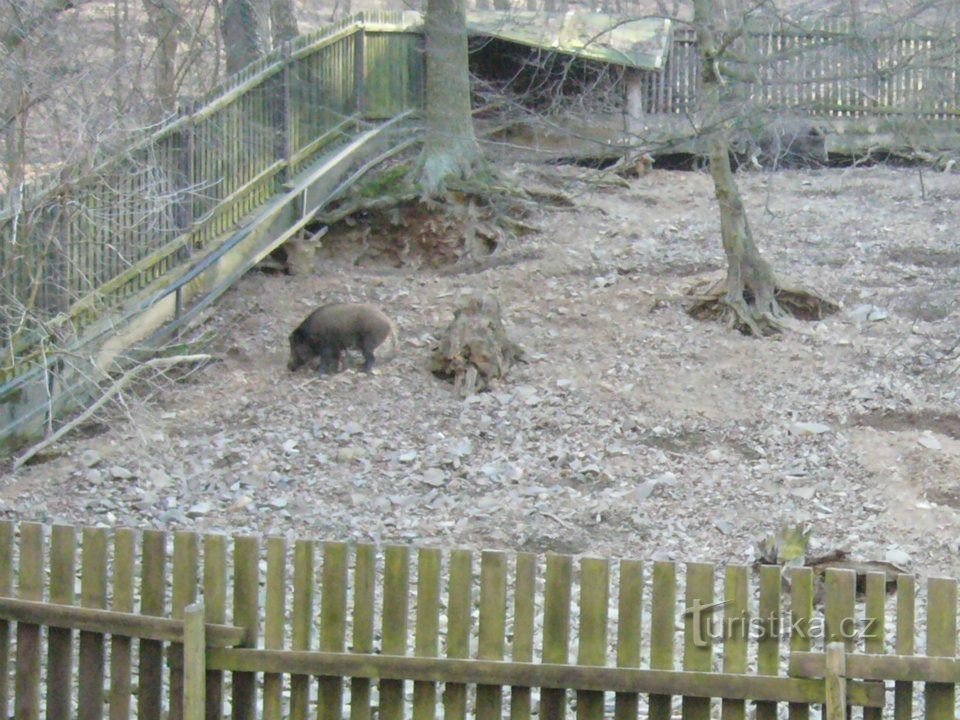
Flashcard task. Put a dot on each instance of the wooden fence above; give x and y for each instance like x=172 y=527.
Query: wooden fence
x=833 y=69
x=84 y=241
x=305 y=628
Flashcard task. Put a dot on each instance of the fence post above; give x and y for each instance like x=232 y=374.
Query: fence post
x=359 y=72
x=835 y=682
x=194 y=663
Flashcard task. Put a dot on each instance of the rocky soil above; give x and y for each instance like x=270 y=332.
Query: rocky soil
x=631 y=431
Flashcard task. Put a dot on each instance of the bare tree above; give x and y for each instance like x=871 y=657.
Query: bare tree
x=164 y=20
x=283 y=21
x=242 y=37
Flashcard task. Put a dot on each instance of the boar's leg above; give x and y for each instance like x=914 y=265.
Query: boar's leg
x=368 y=360
x=329 y=360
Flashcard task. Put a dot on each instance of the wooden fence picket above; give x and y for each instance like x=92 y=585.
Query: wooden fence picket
x=735 y=632
x=427 y=629
x=940 y=698
x=333 y=626
x=556 y=630
x=524 y=610
x=214 y=611
x=364 y=598
x=493 y=617
x=30 y=587
x=184 y=593
x=6 y=590
x=662 y=620
x=906 y=635
x=246 y=595
x=92 y=656
x=459 y=605
x=273 y=624
x=874 y=625
x=63 y=550
x=396 y=601
x=801 y=630
x=768 y=644
x=629 y=632
x=697 y=632
x=152 y=602
x=121 y=657
x=592 y=647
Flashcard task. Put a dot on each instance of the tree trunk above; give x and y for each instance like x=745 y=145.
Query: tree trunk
x=14 y=106
x=450 y=148
x=751 y=284
x=283 y=21
x=163 y=22
x=240 y=28
x=751 y=296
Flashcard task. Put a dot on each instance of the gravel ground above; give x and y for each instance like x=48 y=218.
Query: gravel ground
x=633 y=430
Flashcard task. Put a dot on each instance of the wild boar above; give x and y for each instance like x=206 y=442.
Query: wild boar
x=333 y=328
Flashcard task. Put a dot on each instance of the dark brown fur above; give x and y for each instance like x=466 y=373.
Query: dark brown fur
x=333 y=328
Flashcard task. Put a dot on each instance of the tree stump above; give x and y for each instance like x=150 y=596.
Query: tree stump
x=475 y=351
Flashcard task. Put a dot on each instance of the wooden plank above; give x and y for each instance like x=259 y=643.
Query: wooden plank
x=6 y=590
x=801 y=617
x=246 y=592
x=940 y=698
x=214 y=611
x=592 y=647
x=194 y=663
x=109 y=621
x=835 y=683
x=542 y=675
x=736 y=632
x=303 y=567
x=906 y=622
x=93 y=594
x=184 y=593
x=273 y=611
x=493 y=621
x=768 y=645
x=333 y=626
x=629 y=632
x=63 y=550
x=459 y=606
x=27 y=692
x=152 y=602
x=698 y=633
x=838 y=607
x=662 y=622
x=556 y=630
x=874 y=625
x=427 y=635
x=396 y=599
x=524 y=610
x=863 y=666
x=121 y=659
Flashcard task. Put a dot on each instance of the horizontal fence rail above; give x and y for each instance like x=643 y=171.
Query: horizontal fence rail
x=296 y=628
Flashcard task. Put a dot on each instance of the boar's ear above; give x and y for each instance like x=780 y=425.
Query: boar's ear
x=297 y=335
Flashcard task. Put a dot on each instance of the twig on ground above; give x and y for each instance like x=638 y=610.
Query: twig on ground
x=115 y=388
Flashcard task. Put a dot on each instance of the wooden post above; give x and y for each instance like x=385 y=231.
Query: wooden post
x=633 y=114
x=194 y=663
x=836 y=682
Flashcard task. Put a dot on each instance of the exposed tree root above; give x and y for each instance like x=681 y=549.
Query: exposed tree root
x=740 y=311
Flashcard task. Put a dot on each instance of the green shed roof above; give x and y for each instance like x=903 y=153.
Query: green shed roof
x=641 y=43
